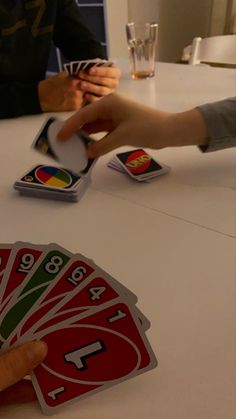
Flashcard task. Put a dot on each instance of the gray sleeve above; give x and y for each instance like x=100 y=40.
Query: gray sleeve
x=220 y=118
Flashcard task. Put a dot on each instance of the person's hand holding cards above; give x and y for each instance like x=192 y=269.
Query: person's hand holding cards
x=15 y=364
x=95 y=335
x=98 y=77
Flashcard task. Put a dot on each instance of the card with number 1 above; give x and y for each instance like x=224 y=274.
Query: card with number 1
x=90 y=355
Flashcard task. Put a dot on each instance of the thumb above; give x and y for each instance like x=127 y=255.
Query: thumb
x=20 y=361
x=108 y=143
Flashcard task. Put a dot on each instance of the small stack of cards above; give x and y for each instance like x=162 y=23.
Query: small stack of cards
x=138 y=164
x=94 y=331
x=74 y=67
x=51 y=182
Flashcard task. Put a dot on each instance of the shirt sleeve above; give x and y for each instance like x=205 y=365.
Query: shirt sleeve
x=220 y=118
x=72 y=36
x=17 y=99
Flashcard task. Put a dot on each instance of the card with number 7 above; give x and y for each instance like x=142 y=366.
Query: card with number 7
x=90 y=355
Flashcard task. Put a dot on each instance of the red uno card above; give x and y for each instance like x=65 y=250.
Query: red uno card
x=140 y=165
x=96 y=293
x=5 y=250
x=32 y=290
x=21 y=261
x=70 y=278
x=93 y=353
x=83 y=286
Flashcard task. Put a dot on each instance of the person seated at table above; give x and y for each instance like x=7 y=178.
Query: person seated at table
x=210 y=126
x=27 y=30
x=14 y=366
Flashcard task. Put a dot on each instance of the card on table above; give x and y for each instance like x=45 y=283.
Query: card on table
x=53 y=183
x=94 y=330
x=138 y=164
x=71 y=153
x=46 y=181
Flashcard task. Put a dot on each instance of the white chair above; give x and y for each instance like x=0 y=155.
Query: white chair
x=214 y=50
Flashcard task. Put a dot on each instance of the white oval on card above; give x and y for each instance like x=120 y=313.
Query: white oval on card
x=71 y=153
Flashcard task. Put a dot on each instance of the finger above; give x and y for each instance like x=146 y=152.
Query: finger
x=98 y=126
x=109 y=72
x=112 y=83
x=88 y=114
x=106 y=144
x=17 y=363
x=92 y=98
x=21 y=392
x=95 y=89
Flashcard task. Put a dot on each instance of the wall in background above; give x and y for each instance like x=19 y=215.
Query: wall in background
x=179 y=22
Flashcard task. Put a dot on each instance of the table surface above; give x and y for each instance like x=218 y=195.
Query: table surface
x=172 y=242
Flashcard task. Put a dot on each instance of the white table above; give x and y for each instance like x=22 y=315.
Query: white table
x=172 y=242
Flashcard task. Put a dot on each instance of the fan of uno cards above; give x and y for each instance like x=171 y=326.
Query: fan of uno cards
x=73 y=67
x=94 y=331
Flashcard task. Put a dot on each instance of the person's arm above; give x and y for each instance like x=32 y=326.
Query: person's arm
x=14 y=366
x=72 y=36
x=75 y=40
x=129 y=123
x=220 y=119
x=18 y=99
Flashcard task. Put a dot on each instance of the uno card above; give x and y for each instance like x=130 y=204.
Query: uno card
x=140 y=165
x=41 y=142
x=71 y=277
x=82 y=285
x=90 y=355
x=67 y=67
x=5 y=251
x=71 y=154
x=50 y=178
x=21 y=261
x=97 y=292
x=32 y=290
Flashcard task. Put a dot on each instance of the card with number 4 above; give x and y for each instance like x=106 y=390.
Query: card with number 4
x=90 y=321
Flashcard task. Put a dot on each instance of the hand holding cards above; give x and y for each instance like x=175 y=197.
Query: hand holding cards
x=94 y=331
x=74 y=67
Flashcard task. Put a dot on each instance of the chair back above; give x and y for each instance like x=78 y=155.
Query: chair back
x=215 y=50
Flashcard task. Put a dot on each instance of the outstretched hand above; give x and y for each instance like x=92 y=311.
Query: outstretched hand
x=128 y=123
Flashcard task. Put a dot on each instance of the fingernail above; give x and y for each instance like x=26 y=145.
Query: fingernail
x=37 y=351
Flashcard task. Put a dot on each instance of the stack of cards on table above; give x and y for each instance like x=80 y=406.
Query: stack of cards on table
x=51 y=182
x=94 y=331
x=74 y=67
x=138 y=164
